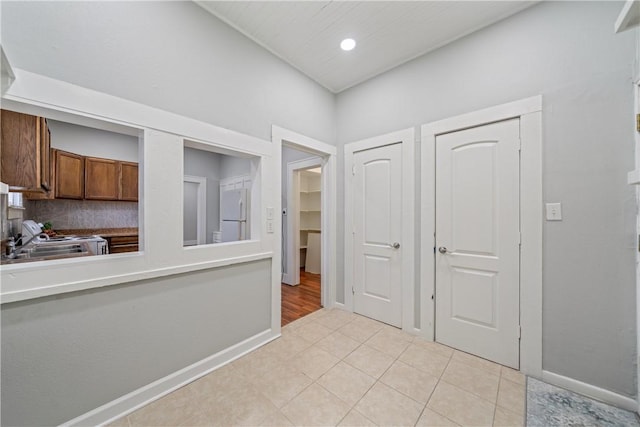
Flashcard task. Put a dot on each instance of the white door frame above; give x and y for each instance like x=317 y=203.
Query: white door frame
x=529 y=111
x=280 y=137
x=633 y=179
x=407 y=138
x=201 y=210
x=293 y=223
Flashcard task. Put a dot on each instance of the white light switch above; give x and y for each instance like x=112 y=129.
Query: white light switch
x=269 y=213
x=269 y=226
x=554 y=212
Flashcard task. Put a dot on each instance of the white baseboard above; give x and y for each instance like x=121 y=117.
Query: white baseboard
x=341 y=306
x=414 y=331
x=592 y=391
x=136 y=399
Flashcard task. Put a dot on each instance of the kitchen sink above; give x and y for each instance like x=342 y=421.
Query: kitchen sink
x=48 y=250
x=58 y=239
x=56 y=249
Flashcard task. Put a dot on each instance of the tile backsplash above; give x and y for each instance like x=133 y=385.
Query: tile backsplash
x=74 y=214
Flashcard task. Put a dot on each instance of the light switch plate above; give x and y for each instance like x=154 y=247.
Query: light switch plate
x=554 y=211
x=269 y=226
x=269 y=213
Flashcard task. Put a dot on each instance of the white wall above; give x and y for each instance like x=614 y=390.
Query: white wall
x=176 y=57
x=171 y=55
x=567 y=52
x=93 y=142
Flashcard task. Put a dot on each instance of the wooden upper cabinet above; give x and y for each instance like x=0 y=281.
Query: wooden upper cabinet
x=101 y=179
x=69 y=175
x=128 y=181
x=25 y=146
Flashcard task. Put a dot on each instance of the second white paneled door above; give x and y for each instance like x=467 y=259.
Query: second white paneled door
x=478 y=241
x=377 y=208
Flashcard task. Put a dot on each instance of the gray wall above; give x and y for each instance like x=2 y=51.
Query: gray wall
x=235 y=166
x=65 y=355
x=567 y=52
x=93 y=142
x=170 y=55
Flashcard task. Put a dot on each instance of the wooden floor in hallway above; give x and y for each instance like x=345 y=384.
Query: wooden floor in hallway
x=298 y=301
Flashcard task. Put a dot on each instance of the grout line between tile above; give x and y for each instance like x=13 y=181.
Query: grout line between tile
x=433 y=391
x=495 y=407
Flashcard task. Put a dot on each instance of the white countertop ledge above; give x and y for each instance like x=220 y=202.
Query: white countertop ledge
x=63 y=288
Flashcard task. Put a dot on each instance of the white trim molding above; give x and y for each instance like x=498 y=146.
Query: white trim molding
x=162 y=137
x=328 y=153
x=406 y=137
x=629 y=16
x=529 y=111
x=592 y=391
x=6 y=72
x=128 y=403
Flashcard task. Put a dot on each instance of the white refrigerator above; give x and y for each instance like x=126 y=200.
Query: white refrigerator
x=233 y=215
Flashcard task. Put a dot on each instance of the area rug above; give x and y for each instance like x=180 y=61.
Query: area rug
x=549 y=406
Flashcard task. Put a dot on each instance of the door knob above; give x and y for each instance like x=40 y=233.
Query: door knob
x=442 y=250
x=396 y=245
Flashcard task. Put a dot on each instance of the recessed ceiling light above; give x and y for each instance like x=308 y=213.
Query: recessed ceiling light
x=347 y=44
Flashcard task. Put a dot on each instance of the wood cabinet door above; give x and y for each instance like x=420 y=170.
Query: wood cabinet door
x=121 y=244
x=102 y=179
x=129 y=181
x=45 y=158
x=51 y=194
x=69 y=175
x=20 y=151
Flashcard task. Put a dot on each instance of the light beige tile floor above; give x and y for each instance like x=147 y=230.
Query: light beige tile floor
x=336 y=368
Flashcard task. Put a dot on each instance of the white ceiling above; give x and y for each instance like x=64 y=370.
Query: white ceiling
x=307 y=34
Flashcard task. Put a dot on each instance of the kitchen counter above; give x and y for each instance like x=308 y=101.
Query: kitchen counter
x=103 y=232
x=119 y=239
x=5 y=261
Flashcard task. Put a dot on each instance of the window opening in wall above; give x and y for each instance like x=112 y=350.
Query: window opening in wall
x=217 y=194
x=73 y=187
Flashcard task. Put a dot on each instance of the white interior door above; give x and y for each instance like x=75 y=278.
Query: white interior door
x=377 y=184
x=190 y=214
x=194 y=213
x=478 y=238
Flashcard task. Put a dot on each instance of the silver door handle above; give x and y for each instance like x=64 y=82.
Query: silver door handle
x=442 y=250
x=396 y=245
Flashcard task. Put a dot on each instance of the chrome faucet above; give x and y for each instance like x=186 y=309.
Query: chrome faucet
x=11 y=248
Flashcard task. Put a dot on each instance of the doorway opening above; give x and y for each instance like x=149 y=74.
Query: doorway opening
x=290 y=147
x=302 y=233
